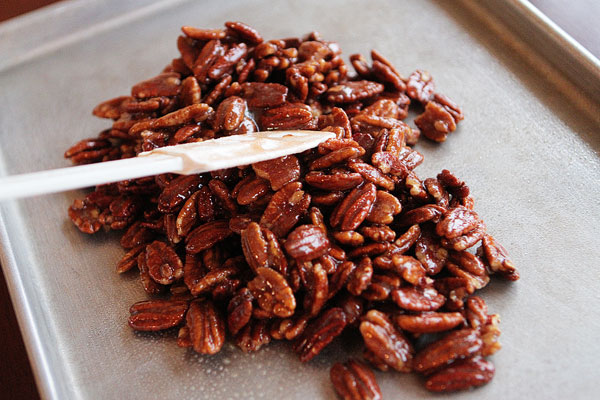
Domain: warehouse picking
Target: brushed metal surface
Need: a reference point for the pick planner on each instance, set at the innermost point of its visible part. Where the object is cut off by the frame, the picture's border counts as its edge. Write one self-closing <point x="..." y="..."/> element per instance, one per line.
<point x="528" y="150"/>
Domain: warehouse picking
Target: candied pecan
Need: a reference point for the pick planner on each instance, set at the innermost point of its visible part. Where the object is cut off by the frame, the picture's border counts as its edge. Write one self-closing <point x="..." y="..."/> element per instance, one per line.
<point x="230" y="113"/>
<point x="457" y="222"/>
<point x="206" y="327"/>
<point x="450" y="106"/>
<point x="150" y="286"/>
<point x="436" y="122"/>
<point x="244" y="31"/>
<point x="253" y="336"/>
<point x="497" y="258"/>
<point x="476" y="312"/>
<point x="349" y="238"/>
<point x="420" y="86"/>
<point x="336" y="119"/>
<point x="164" y="265"/>
<point x="319" y="333"/>
<point x="209" y="53"/>
<point x="112" y="108"/>
<point x="203" y="34"/>
<point x="379" y="233"/>
<point x="475" y="281"/>
<point x="250" y="189"/>
<point x="454" y="185"/>
<point x="213" y="278"/>
<point x="353" y="210"/>
<point x="389" y="163"/>
<point x="353" y="306"/>
<point x="188" y="215"/>
<point x="461" y="375"/>
<point x="165" y="84"/>
<point x="285" y="209"/>
<point x="371" y="249"/>
<point x="327" y="199"/>
<point x="415" y="299"/>
<point x="456" y="291"/>
<point x="372" y="174"/>
<point x="157" y="315"/>
<point x="262" y="249"/>
<point x="272" y="293"/>
<point x="218" y="91"/>
<point x="354" y="381"/>
<point x="337" y="181"/>
<point x="410" y="269"/>
<point x="415" y="187"/>
<point x="387" y="344"/>
<point x="177" y="192"/>
<point x="377" y="56"/>
<point x="88" y="151"/>
<point x="289" y="328"/>
<point x="317" y="219"/>
<point x="129" y="260"/>
<point x="188" y="51"/>
<point x="437" y="191"/>
<point x="240" y="222"/>
<point x="468" y="261"/>
<point x="383" y="73"/>
<point x="353" y="91"/>
<point x="260" y="95"/>
<point x="221" y="192"/>
<point x="454" y="346"/>
<point x="428" y="212"/>
<point x="467" y="240"/>
<point x="381" y="286"/>
<point x="432" y="255"/>
<point x="317" y="290"/>
<point x="205" y="204"/>
<point x="307" y="242"/>
<point x="207" y="235"/>
<point x="279" y="171"/>
<point x="336" y="157"/>
<point x="224" y="64"/>
<point x="407" y="239"/>
<point x="136" y="235"/>
<point x="489" y="334"/>
<point x="287" y="116"/>
<point x="361" y="277"/>
<point x="384" y="209"/>
<point x="429" y="322"/>
<point x="193" y="270"/>
<point x="360" y="65"/>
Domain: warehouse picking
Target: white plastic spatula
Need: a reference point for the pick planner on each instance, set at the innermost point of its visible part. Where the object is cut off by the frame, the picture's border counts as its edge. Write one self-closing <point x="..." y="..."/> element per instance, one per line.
<point x="186" y="159"/>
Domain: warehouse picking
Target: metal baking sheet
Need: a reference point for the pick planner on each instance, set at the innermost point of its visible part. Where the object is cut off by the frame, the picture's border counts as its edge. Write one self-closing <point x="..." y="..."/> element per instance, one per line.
<point x="528" y="148"/>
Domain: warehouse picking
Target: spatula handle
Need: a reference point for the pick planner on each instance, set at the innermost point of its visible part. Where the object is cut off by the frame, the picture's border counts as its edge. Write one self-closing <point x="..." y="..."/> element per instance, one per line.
<point x="58" y="180"/>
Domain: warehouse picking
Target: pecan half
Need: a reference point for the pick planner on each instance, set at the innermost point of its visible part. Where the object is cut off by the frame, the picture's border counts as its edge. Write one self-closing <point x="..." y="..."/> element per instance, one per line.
<point x="272" y="293"/>
<point x="307" y="242"/>
<point x="319" y="333"/>
<point x="156" y="315"/>
<point x="429" y="322"/>
<point x="164" y="265"/>
<point x="385" y="342"/>
<point x="354" y="381"/>
<point x="353" y="210"/>
<point x="206" y="327"/>
<point x="454" y="346"/>
<point x="206" y="236"/>
<point x="461" y="375"/>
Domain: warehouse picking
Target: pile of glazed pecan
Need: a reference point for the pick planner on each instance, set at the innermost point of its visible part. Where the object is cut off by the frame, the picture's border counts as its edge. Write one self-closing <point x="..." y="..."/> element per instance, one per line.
<point x="344" y="237"/>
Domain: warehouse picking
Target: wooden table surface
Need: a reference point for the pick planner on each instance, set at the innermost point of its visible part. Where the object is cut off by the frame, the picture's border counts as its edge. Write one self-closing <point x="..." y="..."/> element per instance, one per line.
<point x="578" y="17"/>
